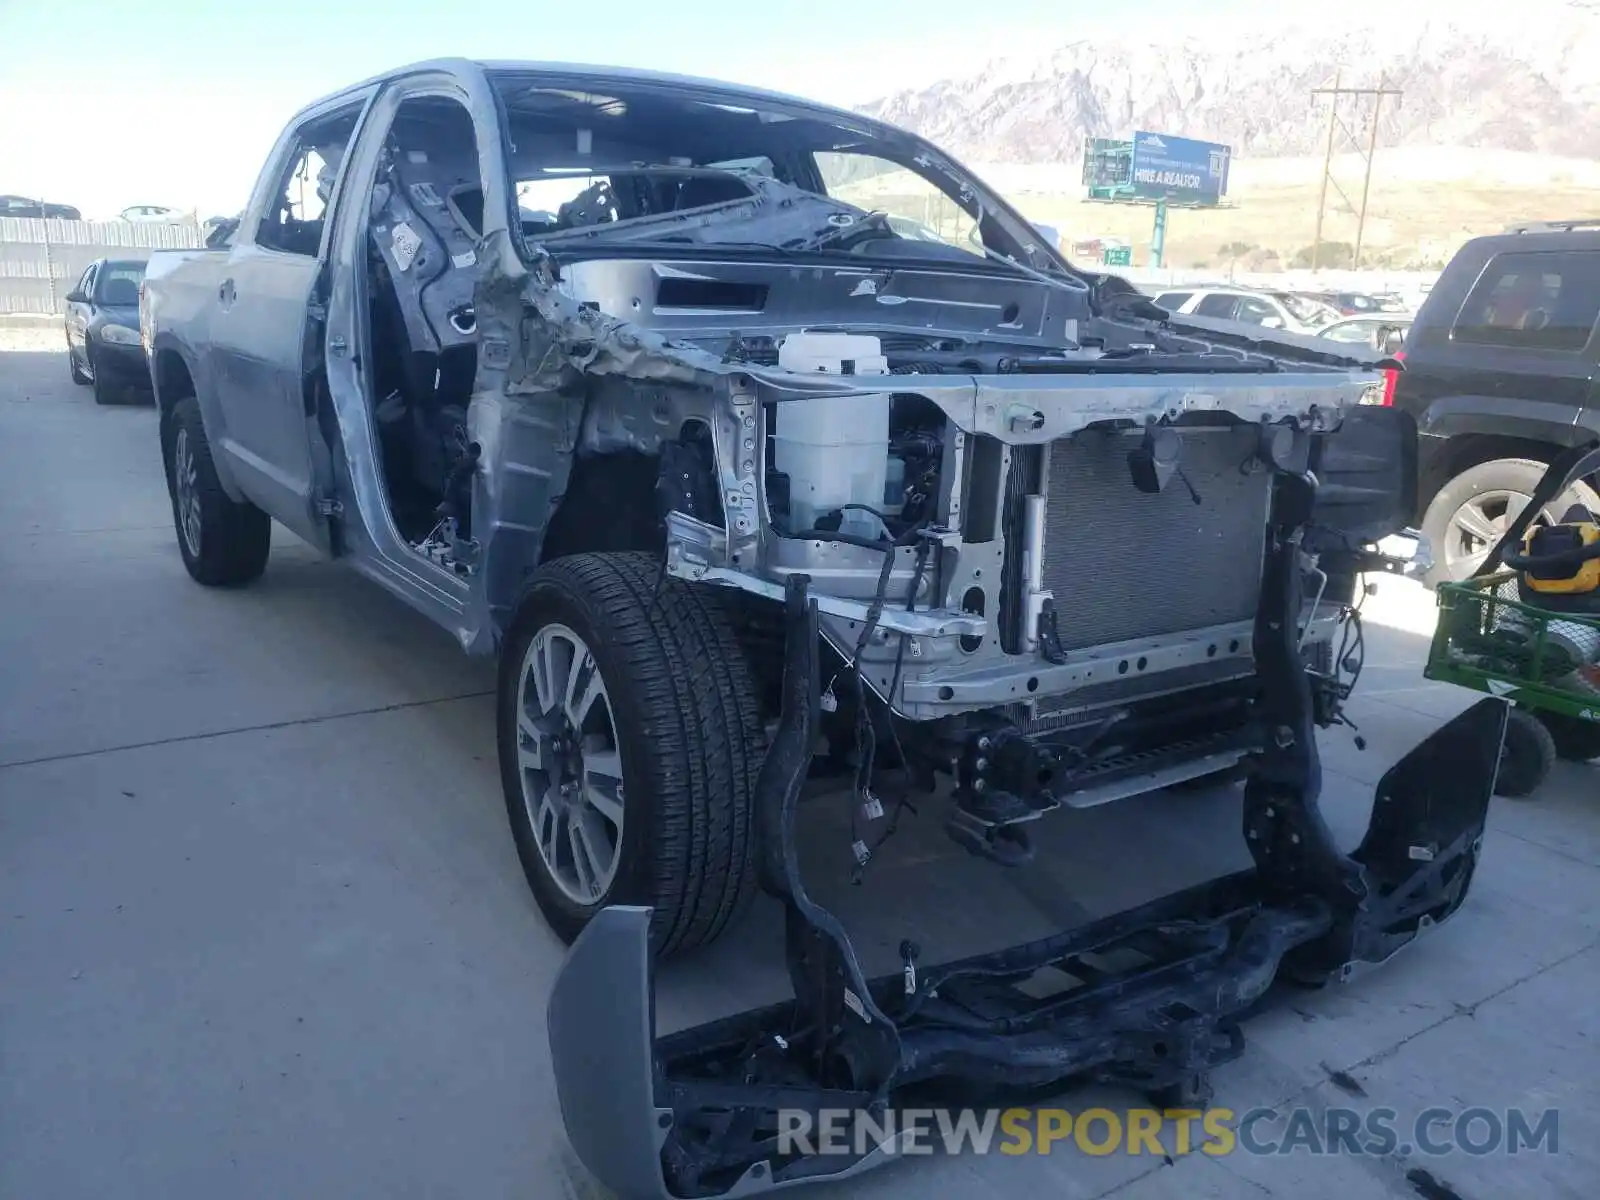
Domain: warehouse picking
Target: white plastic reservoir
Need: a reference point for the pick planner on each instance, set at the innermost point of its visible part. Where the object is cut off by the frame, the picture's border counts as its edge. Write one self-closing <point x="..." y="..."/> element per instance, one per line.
<point x="835" y="449"/>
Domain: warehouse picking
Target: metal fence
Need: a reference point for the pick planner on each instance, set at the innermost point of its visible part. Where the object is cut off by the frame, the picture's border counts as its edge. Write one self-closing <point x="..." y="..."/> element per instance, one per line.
<point x="41" y="260"/>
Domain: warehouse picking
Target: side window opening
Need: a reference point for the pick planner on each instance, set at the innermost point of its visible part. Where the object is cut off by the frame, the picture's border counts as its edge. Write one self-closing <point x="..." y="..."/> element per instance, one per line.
<point x="1533" y="301"/>
<point x="1217" y="305"/>
<point x="295" y="216"/>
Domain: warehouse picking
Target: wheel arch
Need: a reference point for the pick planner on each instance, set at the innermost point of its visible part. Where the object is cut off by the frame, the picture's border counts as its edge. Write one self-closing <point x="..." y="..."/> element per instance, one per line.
<point x="1473" y="437"/>
<point x="611" y="502"/>
<point x="174" y="376"/>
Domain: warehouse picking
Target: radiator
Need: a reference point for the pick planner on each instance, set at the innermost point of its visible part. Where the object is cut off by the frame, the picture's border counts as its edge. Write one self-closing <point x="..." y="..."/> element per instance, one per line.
<point x="1124" y="564"/>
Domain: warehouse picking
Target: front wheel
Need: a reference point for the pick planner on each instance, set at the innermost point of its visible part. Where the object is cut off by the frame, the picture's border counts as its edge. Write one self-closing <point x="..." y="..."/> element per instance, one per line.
<point x="105" y="387"/>
<point x="224" y="542"/>
<point x="75" y="369"/>
<point x="630" y="739"/>
<point x="1527" y="756"/>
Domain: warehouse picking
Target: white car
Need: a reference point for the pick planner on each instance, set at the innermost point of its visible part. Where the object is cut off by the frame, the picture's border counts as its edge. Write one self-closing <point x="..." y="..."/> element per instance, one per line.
<point x="1367" y="328"/>
<point x="1271" y="310"/>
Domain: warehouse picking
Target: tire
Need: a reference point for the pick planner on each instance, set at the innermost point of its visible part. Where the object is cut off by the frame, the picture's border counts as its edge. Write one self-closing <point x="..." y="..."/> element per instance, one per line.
<point x="1575" y="740"/>
<point x="79" y="375"/>
<point x="105" y="388"/>
<point x="1527" y="757"/>
<point x="234" y="537"/>
<point x="684" y="729"/>
<point x="1488" y="487"/>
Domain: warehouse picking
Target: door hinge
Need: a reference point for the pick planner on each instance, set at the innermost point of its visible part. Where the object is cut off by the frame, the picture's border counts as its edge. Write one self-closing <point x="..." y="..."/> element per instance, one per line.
<point x="328" y="507"/>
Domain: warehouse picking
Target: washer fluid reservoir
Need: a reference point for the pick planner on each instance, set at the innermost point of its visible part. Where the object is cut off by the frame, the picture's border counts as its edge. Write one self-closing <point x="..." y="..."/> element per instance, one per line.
<point x="834" y="449"/>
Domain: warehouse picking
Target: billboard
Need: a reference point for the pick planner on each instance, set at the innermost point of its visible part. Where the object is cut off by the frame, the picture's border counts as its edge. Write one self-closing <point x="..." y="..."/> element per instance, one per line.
<point x="1175" y="168"/>
<point x="1107" y="163"/>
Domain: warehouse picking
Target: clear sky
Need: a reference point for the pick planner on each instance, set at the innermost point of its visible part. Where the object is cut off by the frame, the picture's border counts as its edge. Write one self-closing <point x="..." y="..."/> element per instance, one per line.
<point x="108" y="103"/>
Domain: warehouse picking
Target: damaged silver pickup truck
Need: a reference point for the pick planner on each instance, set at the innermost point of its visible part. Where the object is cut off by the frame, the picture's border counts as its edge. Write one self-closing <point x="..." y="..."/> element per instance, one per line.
<point x="765" y="444"/>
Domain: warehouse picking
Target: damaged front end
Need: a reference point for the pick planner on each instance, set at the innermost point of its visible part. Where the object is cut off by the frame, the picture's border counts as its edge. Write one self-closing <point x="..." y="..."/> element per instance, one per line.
<point x="999" y="523"/>
<point x="697" y="1113"/>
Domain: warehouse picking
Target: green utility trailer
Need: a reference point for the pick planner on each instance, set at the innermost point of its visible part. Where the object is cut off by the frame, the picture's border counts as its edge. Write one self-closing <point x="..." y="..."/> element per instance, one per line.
<point x="1546" y="662"/>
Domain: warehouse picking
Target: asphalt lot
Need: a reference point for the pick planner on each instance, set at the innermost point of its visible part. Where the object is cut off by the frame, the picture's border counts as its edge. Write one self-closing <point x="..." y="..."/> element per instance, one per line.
<point x="263" y="932"/>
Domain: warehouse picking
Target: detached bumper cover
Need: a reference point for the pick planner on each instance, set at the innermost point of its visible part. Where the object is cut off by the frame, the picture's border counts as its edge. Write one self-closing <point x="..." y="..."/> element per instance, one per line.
<point x="696" y="1114"/>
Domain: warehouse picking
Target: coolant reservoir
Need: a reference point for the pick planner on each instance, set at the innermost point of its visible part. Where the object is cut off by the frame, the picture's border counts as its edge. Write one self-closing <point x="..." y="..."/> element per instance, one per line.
<point x="835" y="449"/>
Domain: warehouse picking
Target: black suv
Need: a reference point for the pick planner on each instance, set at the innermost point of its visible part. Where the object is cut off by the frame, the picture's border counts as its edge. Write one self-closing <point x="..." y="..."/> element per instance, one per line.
<point x="1500" y="373"/>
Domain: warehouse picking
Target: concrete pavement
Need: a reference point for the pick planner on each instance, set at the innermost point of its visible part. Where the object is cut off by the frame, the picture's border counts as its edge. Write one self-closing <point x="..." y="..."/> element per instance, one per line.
<point x="263" y="932"/>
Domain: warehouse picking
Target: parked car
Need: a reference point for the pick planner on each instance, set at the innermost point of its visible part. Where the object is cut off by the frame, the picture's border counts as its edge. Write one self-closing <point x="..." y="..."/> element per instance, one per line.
<point x="1500" y="373"/>
<point x="1383" y="332"/>
<point x="27" y="206"/>
<point x="102" y="323"/>
<point x="1273" y="310"/>
<point x="723" y="468"/>
<point x="1346" y="304"/>
<point x="152" y="214"/>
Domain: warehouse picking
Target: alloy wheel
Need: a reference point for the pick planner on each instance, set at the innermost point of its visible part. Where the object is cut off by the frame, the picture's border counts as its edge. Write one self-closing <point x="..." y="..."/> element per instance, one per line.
<point x="1478" y="524"/>
<point x="185" y="478"/>
<point x="569" y="763"/>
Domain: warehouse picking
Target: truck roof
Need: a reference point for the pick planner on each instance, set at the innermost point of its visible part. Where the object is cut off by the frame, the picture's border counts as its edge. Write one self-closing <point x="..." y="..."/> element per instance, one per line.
<point x="732" y="93"/>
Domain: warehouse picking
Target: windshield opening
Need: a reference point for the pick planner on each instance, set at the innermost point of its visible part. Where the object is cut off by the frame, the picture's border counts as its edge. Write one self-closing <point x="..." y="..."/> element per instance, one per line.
<point x="625" y="161"/>
<point x="119" y="284"/>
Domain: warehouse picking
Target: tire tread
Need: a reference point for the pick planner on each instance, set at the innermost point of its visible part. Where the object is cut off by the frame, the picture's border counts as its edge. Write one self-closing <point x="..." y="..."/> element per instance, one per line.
<point x="235" y="536"/>
<point x="691" y="690"/>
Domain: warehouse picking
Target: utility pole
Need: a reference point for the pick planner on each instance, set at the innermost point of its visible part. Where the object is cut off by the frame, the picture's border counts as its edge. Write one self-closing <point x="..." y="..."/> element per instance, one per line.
<point x="1327" y="173"/>
<point x="1366" y="183"/>
<point x="1334" y="94"/>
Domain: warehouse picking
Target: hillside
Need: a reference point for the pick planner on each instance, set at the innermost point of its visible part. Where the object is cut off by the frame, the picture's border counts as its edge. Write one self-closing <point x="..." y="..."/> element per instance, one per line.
<point x="1469" y="80"/>
<point x="1496" y="125"/>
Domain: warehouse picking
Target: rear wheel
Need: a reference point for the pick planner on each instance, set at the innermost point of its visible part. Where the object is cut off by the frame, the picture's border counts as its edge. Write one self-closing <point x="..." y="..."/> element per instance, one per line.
<point x="1471" y="512"/>
<point x="224" y="542"/>
<point x="1575" y="740"/>
<point x="1527" y="756"/>
<point x="630" y="738"/>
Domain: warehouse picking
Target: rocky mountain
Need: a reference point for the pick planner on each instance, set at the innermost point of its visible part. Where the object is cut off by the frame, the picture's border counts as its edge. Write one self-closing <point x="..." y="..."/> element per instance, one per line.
<point x="1520" y="77"/>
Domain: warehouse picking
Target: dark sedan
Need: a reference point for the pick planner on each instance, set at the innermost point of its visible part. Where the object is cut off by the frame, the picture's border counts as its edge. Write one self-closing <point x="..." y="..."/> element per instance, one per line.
<point x="103" y="345"/>
<point x="25" y="206"/>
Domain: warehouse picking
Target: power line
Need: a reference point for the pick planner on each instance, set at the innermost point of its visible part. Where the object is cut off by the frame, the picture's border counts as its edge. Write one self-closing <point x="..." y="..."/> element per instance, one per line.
<point x="1335" y="93"/>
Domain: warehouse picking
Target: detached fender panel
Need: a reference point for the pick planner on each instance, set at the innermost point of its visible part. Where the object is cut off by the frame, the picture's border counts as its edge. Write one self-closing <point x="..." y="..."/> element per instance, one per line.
<point x="601" y="1021"/>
